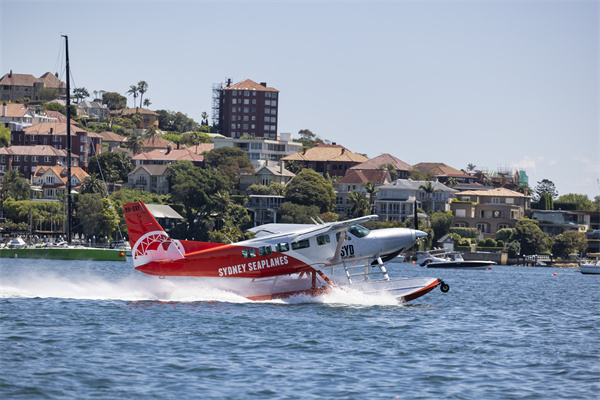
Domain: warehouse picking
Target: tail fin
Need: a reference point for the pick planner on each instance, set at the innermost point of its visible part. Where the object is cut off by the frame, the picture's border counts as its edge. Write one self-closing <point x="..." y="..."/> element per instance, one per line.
<point x="149" y="242"/>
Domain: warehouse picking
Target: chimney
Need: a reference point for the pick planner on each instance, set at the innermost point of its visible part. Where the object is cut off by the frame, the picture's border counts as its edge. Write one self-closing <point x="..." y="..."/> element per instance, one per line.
<point x="281" y="167"/>
<point x="10" y="74"/>
<point x="4" y="109"/>
<point x="51" y="130"/>
<point x="178" y="146"/>
<point x="168" y="149"/>
<point x="228" y="82"/>
<point x="264" y="84"/>
<point x="343" y="150"/>
<point x="56" y="74"/>
<point x="304" y="151"/>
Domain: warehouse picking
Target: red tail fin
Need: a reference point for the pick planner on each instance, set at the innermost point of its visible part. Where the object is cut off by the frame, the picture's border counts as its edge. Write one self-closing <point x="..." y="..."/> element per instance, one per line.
<point x="148" y="240"/>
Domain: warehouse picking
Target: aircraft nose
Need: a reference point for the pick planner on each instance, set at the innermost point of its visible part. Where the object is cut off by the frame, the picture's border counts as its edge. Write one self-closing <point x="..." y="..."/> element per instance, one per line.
<point x="420" y="234"/>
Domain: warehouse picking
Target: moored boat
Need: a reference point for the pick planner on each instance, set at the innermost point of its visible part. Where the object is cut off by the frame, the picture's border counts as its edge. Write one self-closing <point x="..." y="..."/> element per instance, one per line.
<point x="590" y="267"/>
<point x="453" y="260"/>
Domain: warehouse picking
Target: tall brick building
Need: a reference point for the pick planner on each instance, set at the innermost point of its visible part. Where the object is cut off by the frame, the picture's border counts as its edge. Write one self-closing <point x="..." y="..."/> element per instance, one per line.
<point x="248" y="108"/>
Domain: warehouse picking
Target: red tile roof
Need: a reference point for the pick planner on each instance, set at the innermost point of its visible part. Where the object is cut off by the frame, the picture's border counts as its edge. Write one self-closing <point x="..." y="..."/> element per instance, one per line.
<point x="247" y="84"/>
<point x="48" y="79"/>
<point x="61" y="172"/>
<point x="439" y="169"/>
<point x="157" y="143"/>
<point x="58" y="128"/>
<point x="173" y="155"/>
<point x="202" y="147"/>
<point x="112" y="137"/>
<point x="132" y="111"/>
<point x="14" y="110"/>
<point x="37" y="150"/>
<point x="378" y="176"/>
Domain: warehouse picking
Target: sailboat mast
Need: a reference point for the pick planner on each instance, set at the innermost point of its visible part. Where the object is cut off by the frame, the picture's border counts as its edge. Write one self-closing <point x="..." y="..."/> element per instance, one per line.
<point x="68" y="102"/>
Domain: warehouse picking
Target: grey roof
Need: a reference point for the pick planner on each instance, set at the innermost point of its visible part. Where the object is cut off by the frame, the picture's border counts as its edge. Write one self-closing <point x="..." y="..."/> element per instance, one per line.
<point x="154" y="170"/>
<point x="415" y="185"/>
<point x="163" y="211"/>
<point x="275" y="170"/>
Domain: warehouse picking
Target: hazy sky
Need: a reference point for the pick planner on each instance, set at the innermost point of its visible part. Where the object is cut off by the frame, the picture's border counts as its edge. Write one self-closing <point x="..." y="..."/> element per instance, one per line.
<point x="503" y="84"/>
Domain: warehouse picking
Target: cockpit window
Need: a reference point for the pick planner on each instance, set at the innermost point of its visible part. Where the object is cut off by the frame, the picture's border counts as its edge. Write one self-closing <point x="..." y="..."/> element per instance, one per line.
<point x="359" y="231"/>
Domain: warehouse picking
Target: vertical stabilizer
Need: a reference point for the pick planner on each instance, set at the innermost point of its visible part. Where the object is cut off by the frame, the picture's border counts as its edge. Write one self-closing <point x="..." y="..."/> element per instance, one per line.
<point x="149" y="242"/>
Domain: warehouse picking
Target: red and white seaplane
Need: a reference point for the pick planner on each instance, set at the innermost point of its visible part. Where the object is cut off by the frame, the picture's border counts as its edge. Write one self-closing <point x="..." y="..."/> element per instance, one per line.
<point x="283" y="260"/>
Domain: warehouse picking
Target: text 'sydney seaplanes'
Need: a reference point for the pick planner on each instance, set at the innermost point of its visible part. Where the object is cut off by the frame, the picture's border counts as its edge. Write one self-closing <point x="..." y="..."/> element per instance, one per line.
<point x="283" y="260"/>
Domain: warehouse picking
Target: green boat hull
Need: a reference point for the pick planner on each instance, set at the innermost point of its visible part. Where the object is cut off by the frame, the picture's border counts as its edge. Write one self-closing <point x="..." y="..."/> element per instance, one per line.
<point x="65" y="254"/>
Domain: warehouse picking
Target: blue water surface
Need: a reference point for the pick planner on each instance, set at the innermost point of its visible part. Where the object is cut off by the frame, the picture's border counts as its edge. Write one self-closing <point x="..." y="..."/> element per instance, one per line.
<point x="101" y="330"/>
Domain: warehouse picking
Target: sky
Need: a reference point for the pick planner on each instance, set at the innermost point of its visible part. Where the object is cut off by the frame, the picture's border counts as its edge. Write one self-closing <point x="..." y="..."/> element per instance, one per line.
<point x="503" y="85"/>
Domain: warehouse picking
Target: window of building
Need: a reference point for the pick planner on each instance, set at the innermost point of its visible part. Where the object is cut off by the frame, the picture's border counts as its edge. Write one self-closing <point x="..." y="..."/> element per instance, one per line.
<point x="246" y="93"/>
<point x="267" y="102"/>
<point x="34" y="158"/>
<point x="17" y="158"/>
<point x="496" y="214"/>
<point x="495" y="200"/>
<point x="503" y="226"/>
<point x="460" y="225"/>
<point x="47" y="159"/>
<point x="460" y="213"/>
<point x="235" y="92"/>
<point x="273" y="103"/>
<point x="482" y="228"/>
<point x="233" y="101"/>
<point x="246" y="101"/>
<point x="509" y="200"/>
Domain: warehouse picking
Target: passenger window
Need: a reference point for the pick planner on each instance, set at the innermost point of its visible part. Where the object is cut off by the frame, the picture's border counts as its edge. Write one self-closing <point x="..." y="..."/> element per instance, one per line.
<point x="282" y="247"/>
<point x="323" y="239"/>
<point x="264" y="250"/>
<point x="248" y="253"/>
<point x="303" y="244"/>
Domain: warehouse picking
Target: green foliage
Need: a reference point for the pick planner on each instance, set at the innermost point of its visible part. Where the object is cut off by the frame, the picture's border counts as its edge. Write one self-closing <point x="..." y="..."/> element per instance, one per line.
<point x="195" y="138"/>
<point x="489" y="242"/>
<point x="48" y="94"/>
<point x="513" y="249"/>
<point x="172" y="137"/>
<point x="505" y="234"/>
<point x="293" y="166"/>
<point x="569" y="242"/>
<point x="231" y="163"/>
<point x="15" y="186"/>
<point x="258" y="190"/>
<point x="420" y="174"/>
<point x="5" y="137"/>
<point x="465" y="232"/>
<point x="114" y="101"/>
<point x="530" y="237"/>
<point x="175" y="121"/>
<point x="545" y="202"/>
<point x="309" y="188"/>
<point x="582" y="201"/>
<point x="277" y="189"/>
<point x="126" y="196"/>
<point x="55" y="107"/>
<point x="14" y="227"/>
<point x="545" y="186"/>
<point x="290" y="213"/>
<point x="500" y="243"/>
<point x="93" y="184"/>
<point x="392" y="170"/>
<point x="360" y="204"/>
<point x="441" y="222"/>
<point x="135" y="144"/>
<point x="94" y="216"/>
<point x="114" y="166"/>
<point x="39" y="213"/>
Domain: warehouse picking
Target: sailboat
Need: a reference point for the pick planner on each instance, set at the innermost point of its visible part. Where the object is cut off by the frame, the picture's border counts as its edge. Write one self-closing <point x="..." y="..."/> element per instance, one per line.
<point x="64" y="250"/>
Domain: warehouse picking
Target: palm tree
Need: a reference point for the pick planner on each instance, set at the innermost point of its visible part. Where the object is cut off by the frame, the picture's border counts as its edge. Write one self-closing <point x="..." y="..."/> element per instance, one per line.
<point x="371" y="190"/>
<point x="451" y="182"/>
<point x="147" y="102"/>
<point x="133" y="90"/>
<point x="471" y="167"/>
<point x="135" y="144"/>
<point x="152" y="133"/>
<point x="360" y="204"/>
<point x="92" y="184"/>
<point x="430" y="189"/>
<point x="142" y="87"/>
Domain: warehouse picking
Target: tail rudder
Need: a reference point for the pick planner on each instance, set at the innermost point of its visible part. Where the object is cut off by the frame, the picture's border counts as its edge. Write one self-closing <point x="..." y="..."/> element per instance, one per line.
<point x="148" y="240"/>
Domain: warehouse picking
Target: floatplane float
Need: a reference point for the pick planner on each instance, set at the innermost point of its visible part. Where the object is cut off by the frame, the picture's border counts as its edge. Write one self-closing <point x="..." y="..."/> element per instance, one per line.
<point x="283" y="260"/>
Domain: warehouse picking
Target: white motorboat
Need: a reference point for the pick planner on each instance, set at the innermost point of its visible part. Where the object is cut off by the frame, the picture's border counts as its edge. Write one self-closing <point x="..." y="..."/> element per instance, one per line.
<point x="453" y="260"/>
<point x="590" y="267"/>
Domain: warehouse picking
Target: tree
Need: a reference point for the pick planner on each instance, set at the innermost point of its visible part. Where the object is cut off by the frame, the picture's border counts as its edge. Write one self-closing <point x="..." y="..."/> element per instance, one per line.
<point x="114" y="166"/>
<point x="309" y="188"/>
<point x="307" y="138"/>
<point x="392" y="170"/>
<point x="80" y="94"/>
<point x="133" y="91"/>
<point x="290" y="213"/>
<point x="451" y="182"/>
<point x="260" y="190"/>
<point x="15" y="186"/>
<point x="92" y="185"/>
<point x="204" y="118"/>
<point x="114" y="101"/>
<point x="48" y="94"/>
<point x="582" y="201"/>
<point x="441" y="222"/>
<point x="545" y="186"/>
<point x="147" y="102"/>
<point x="505" y="234"/>
<point x="530" y="237"/>
<point x="545" y="202"/>
<point x="360" y="204"/>
<point x="421" y="174"/>
<point x="152" y="133"/>
<point x="429" y="190"/>
<point x="231" y="163"/>
<point x="135" y="144"/>
<point x="371" y="190"/>
<point x="569" y="242"/>
<point x="142" y="87"/>
<point x="5" y="136"/>
<point x="471" y="167"/>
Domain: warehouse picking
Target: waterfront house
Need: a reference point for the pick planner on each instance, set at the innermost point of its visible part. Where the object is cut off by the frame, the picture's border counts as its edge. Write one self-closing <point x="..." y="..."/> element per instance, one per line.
<point x="25" y="159"/>
<point x="265" y="174"/>
<point x="150" y="178"/>
<point x="112" y="139"/>
<point x="14" y="87"/>
<point x="261" y="151"/>
<point x="396" y="201"/>
<point x="382" y="161"/>
<point x="354" y="181"/>
<point x="489" y="210"/>
<point x="93" y="110"/>
<point x="264" y="208"/>
<point x="167" y="156"/>
<point x="53" y="180"/>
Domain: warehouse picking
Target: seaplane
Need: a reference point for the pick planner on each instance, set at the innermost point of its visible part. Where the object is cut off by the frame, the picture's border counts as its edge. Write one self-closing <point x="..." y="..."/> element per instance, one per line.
<point x="283" y="260"/>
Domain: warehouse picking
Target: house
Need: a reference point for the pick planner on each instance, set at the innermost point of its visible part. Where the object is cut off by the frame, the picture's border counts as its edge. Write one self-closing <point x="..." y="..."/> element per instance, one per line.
<point x="384" y="160"/>
<point x="396" y="201"/>
<point x="112" y="139"/>
<point x="489" y="210"/>
<point x="166" y="217"/>
<point x="147" y="119"/>
<point x="92" y="109"/>
<point x="247" y="108"/>
<point x="331" y="159"/>
<point x="555" y="222"/>
<point x="83" y="143"/>
<point x="14" y="87"/>
<point x="157" y="143"/>
<point x="53" y="180"/>
<point x="16" y="116"/>
<point x="261" y="151"/>
<point x="264" y="208"/>
<point x="25" y="159"/>
<point x="202" y="148"/>
<point x="166" y="157"/>
<point x="503" y="177"/>
<point x="354" y="181"/>
<point x="150" y="178"/>
<point x="264" y="175"/>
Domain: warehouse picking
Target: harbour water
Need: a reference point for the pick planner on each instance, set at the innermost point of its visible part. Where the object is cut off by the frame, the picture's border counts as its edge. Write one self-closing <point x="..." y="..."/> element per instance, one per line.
<point x="101" y="330"/>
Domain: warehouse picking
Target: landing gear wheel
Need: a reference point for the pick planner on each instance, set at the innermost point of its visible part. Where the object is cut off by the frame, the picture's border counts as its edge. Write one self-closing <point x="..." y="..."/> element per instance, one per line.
<point x="444" y="287"/>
